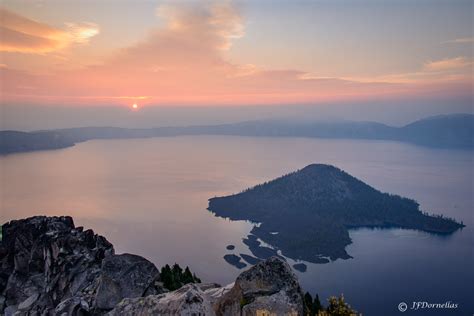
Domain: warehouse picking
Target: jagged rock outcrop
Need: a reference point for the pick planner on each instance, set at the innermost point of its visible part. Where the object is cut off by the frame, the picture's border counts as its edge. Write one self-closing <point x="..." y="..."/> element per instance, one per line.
<point x="45" y="260"/>
<point x="50" y="267"/>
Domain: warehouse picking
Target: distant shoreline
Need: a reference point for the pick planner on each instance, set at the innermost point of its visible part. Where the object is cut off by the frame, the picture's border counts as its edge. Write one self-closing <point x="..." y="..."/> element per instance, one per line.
<point x="454" y="131"/>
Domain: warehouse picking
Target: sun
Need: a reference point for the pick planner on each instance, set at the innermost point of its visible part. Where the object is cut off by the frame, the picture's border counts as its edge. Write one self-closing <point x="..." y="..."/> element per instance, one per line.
<point x="135" y="106"/>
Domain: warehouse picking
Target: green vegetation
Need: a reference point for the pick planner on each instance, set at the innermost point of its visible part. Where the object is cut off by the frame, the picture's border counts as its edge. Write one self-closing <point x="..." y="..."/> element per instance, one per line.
<point x="313" y="208"/>
<point x="243" y="302"/>
<point x="174" y="278"/>
<point x="336" y="307"/>
<point x="313" y="307"/>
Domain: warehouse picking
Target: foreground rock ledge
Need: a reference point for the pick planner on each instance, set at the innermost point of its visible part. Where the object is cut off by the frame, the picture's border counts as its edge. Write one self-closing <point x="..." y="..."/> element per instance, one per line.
<point x="50" y="267"/>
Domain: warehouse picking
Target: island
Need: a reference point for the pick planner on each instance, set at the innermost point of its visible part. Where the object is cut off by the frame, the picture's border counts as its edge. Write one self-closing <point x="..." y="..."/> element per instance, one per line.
<point x="235" y="260"/>
<point x="306" y="215"/>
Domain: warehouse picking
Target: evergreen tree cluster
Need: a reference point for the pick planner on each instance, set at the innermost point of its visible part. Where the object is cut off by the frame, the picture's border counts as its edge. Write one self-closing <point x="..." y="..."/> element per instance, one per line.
<point x="174" y="277"/>
<point x="336" y="307"/>
<point x="313" y="307"/>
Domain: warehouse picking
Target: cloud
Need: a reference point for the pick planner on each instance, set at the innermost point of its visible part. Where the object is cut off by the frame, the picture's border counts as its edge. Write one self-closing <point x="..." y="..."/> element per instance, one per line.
<point x="438" y="71"/>
<point x="447" y="64"/>
<point x="184" y="62"/>
<point x="216" y="23"/>
<point x="81" y="33"/>
<point x="22" y="35"/>
<point x="463" y="40"/>
<point x="228" y="23"/>
<point x="188" y="50"/>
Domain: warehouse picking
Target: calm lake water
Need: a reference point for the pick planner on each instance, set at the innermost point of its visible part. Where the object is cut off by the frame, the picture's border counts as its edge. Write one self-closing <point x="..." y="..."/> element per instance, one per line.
<point x="149" y="197"/>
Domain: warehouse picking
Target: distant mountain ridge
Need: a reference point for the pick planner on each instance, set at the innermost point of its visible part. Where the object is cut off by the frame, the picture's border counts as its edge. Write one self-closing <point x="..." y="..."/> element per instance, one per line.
<point x="445" y="131"/>
<point x="455" y="130"/>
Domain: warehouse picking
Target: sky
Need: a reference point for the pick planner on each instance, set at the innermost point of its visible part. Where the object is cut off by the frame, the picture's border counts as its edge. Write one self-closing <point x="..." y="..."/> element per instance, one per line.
<point x="226" y="54"/>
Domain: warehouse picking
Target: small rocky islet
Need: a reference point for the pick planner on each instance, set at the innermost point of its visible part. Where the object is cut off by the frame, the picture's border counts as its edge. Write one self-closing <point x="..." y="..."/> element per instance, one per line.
<point x="51" y="267"/>
<point x="235" y="260"/>
<point x="301" y="267"/>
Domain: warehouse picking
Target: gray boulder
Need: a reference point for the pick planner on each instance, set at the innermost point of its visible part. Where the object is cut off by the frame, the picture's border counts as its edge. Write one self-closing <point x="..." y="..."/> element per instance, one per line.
<point x="126" y="276"/>
<point x="188" y="300"/>
<point x="270" y="287"/>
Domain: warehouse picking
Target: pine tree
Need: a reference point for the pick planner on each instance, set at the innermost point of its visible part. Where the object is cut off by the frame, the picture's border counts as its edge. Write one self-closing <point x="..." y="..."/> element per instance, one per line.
<point x="166" y="277"/>
<point x="196" y="279"/>
<point x="187" y="276"/>
<point x="308" y="303"/>
<point x="174" y="278"/>
<point x="317" y="306"/>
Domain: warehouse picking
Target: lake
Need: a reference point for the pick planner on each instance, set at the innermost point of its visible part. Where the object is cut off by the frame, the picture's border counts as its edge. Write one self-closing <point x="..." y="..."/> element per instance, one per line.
<point x="149" y="197"/>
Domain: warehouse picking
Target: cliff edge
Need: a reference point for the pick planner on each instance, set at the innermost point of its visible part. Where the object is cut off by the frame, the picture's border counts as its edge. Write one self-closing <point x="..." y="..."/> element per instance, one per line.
<point x="50" y="267"/>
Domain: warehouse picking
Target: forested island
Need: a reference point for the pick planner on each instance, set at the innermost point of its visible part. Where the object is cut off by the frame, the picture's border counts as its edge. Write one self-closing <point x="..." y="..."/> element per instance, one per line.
<point x="307" y="214"/>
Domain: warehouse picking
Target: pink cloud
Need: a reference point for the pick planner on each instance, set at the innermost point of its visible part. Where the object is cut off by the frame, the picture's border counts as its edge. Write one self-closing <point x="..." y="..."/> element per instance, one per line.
<point x="447" y="64"/>
<point x="22" y="35"/>
<point x="184" y="63"/>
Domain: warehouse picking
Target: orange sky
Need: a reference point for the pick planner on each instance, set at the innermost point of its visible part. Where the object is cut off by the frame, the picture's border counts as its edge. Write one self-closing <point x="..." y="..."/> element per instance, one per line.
<point x="189" y="57"/>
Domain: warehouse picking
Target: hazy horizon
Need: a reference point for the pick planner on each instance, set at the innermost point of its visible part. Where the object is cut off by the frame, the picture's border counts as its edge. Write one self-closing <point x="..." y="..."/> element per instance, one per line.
<point x="157" y="63"/>
<point x="394" y="113"/>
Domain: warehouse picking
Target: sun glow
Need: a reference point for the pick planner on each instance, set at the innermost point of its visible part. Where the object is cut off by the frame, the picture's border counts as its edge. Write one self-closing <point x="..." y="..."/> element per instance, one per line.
<point x="135" y="106"/>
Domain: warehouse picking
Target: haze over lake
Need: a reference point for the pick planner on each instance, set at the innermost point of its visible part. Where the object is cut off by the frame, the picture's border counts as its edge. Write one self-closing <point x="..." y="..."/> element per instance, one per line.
<point x="149" y="197"/>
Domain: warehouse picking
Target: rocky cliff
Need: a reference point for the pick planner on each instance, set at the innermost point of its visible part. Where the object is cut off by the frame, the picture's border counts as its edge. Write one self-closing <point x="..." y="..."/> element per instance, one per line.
<point x="50" y="267"/>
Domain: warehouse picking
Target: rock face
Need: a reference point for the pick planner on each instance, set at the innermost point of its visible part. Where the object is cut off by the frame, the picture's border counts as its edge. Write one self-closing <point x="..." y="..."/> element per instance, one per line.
<point x="268" y="288"/>
<point x="46" y="260"/>
<point x="188" y="300"/>
<point x="50" y="267"/>
<point x="126" y="276"/>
